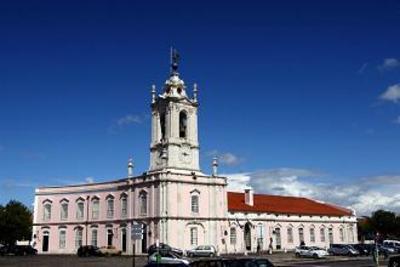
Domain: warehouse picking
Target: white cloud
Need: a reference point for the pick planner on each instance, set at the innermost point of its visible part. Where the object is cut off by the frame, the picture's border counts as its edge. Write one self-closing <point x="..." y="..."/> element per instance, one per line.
<point x="125" y="121"/>
<point x="364" y="195"/>
<point x="226" y="158"/>
<point x="392" y="93"/>
<point x="389" y="64"/>
<point x="89" y="180"/>
<point x="129" y="119"/>
<point x="397" y="120"/>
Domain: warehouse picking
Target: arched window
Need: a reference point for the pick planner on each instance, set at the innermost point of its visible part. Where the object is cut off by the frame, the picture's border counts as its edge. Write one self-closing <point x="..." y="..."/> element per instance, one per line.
<point x="290" y="235"/>
<point x="233" y="236"/>
<point x="143" y="203"/>
<point x="351" y="234"/>
<point x="260" y="235"/>
<point x="301" y="235"/>
<point x="62" y="239"/>
<point x="312" y="235"/>
<point x="330" y="234"/>
<point x="94" y="237"/>
<point x="47" y="212"/>
<point x="341" y="234"/>
<point x="182" y="124"/>
<point x="322" y="234"/>
<point x="162" y="125"/>
<point x="195" y="203"/>
<point x="78" y="237"/>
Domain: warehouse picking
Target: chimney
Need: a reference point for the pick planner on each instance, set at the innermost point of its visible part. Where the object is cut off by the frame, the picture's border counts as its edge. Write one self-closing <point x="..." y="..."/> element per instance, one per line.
<point x="215" y="166"/>
<point x="249" y="196"/>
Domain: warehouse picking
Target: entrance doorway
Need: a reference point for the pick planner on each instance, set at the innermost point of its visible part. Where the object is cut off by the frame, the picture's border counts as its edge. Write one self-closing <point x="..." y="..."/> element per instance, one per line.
<point x="123" y="236"/>
<point x="109" y="237"/>
<point x="247" y="236"/>
<point x="45" y="245"/>
<point x="144" y="239"/>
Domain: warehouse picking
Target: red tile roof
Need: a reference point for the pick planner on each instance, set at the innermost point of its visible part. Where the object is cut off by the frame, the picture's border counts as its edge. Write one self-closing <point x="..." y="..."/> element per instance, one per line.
<point x="284" y="205"/>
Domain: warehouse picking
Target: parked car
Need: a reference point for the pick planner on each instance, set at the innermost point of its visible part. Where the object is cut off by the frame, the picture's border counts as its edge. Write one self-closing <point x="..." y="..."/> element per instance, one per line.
<point x="18" y="250"/>
<point x="164" y="248"/>
<point x="232" y="262"/>
<point x="394" y="261"/>
<point x="343" y="250"/>
<point x="202" y="251"/>
<point x="110" y="251"/>
<point x="85" y="251"/>
<point x="394" y="244"/>
<point x="315" y="252"/>
<point x="386" y="251"/>
<point x="166" y="258"/>
<point x="364" y="249"/>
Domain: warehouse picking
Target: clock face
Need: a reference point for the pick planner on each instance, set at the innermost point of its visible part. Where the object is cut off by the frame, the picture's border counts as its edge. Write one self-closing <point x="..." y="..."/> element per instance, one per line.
<point x="186" y="154"/>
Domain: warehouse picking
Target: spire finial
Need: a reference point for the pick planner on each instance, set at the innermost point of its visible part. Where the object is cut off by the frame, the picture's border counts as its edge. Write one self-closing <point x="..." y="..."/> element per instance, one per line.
<point x="130" y="167"/>
<point x="215" y="166"/>
<point x="195" y="91"/>
<point x="174" y="61"/>
<point x="153" y="94"/>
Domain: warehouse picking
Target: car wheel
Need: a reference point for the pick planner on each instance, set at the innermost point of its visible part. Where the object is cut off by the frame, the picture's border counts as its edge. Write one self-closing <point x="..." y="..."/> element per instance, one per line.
<point x="297" y="255"/>
<point x="212" y="255"/>
<point x="190" y="255"/>
<point x="315" y="256"/>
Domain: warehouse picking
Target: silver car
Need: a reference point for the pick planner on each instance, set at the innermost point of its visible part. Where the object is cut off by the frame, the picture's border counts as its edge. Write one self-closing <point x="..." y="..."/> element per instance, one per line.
<point x="202" y="251"/>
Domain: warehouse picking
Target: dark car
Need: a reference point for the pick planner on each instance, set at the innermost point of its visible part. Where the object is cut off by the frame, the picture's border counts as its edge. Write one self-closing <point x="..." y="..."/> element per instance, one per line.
<point x="364" y="249"/>
<point x="86" y="251"/>
<point x="230" y="262"/>
<point x="342" y="250"/>
<point x="164" y="249"/>
<point x="18" y="250"/>
<point x="394" y="261"/>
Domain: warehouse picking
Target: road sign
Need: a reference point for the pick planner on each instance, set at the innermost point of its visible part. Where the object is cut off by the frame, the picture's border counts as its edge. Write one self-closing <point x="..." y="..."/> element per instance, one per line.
<point x="137" y="232"/>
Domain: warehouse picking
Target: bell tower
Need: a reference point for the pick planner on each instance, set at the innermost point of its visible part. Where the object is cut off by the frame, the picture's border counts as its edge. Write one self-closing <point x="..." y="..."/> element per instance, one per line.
<point x="174" y="139"/>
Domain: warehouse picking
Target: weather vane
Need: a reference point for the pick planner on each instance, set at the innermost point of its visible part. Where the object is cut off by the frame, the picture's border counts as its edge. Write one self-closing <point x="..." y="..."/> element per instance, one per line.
<point x="174" y="60"/>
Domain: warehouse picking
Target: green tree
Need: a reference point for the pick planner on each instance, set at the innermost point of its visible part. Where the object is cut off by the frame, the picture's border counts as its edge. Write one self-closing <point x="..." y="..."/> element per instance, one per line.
<point x="15" y="222"/>
<point x="384" y="222"/>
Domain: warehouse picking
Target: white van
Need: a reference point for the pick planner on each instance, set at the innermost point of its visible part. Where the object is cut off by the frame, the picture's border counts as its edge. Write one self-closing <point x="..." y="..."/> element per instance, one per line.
<point x="391" y="243"/>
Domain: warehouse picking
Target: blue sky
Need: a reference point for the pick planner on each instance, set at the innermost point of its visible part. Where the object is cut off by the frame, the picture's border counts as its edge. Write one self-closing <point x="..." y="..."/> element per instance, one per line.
<point x="304" y="90"/>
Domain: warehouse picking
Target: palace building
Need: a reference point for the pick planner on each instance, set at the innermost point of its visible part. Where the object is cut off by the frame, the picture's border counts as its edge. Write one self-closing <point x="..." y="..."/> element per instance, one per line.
<point x="177" y="203"/>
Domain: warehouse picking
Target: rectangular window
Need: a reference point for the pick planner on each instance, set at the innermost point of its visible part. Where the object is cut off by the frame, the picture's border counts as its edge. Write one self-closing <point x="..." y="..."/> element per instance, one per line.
<point x="95" y="209"/>
<point x="233" y="236"/>
<point x="195" y="204"/>
<point x="110" y="208"/>
<point x="124" y="207"/>
<point x="64" y="212"/>
<point x="47" y="212"/>
<point x="312" y="235"/>
<point x="143" y="203"/>
<point x="61" y="242"/>
<point x="80" y="210"/>
<point x="94" y="237"/>
<point x="351" y="235"/>
<point x="193" y="236"/>
<point x="322" y="234"/>
<point x="290" y="235"/>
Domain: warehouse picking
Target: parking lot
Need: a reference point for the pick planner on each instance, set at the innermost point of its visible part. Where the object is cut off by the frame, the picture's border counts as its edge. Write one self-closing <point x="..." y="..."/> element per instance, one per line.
<point x="125" y="261"/>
